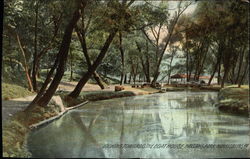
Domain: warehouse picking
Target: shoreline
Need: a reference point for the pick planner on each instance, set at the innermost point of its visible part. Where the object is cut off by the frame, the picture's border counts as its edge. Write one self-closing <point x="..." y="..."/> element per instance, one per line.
<point x="22" y="151"/>
<point x="15" y="142"/>
<point x="234" y="101"/>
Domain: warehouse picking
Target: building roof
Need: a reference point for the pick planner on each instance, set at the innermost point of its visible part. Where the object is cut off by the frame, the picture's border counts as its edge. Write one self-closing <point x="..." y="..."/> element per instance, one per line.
<point x="185" y="76"/>
<point x="204" y="77"/>
<point x="179" y="76"/>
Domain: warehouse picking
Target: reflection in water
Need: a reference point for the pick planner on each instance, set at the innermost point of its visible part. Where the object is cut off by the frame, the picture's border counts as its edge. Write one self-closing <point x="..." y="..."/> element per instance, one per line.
<point x="169" y="118"/>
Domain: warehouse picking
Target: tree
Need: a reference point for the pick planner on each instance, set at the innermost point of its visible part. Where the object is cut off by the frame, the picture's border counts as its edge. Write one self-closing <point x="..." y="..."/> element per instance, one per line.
<point x="119" y="18"/>
<point x="161" y="25"/>
<point x="43" y="98"/>
<point x="20" y="21"/>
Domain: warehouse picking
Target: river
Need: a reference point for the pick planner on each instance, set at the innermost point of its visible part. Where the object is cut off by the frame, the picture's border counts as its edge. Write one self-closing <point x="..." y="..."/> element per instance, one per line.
<point x="167" y="125"/>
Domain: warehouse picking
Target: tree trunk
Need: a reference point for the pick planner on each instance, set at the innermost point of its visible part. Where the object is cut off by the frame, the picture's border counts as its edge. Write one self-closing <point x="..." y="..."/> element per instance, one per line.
<point x="224" y="77"/>
<point x="170" y="68"/>
<point x="243" y="76"/>
<point x="75" y="93"/>
<point x="212" y="76"/>
<point x="38" y="71"/>
<point x="187" y="59"/>
<point x="202" y="63"/>
<point x="122" y="57"/>
<point x="63" y="53"/>
<point x="240" y="65"/>
<point x="98" y="80"/>
<point x="147" y="65"/>
<point x="156" y="72"/>
<point x="143" y="67"/>
<point x="45" y="84"/>
<point x="71" y="64"/>
<point x="35" y="61"/>
<point x="125" y="78"/>
<point x="81" y="37"/>
<point x="245" y="71"/>
<point x="219" y="76"/>
<point x="187" y="66"/>
<point x="130" y="77"/>
<point x="30" y="86"/>
<point x="134" y="78"/>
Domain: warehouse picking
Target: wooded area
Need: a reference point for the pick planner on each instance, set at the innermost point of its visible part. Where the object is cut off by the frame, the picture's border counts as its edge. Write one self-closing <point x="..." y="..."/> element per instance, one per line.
<point x="116" y="73"/>
<point x="131" y="40"/>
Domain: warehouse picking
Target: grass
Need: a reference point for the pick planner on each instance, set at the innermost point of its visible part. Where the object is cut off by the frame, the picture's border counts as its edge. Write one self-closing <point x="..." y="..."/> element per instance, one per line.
<point x="101" y="95"/>
<point x="232" y="92"/>
<point x="234" y="100"/>
<point x="93" y="96"/>
<point x="10" y="91"/>
<point x="236" y="86"/>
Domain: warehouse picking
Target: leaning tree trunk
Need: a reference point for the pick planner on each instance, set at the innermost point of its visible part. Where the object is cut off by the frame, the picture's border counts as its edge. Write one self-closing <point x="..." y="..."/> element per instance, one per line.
<point x="45" y="84"/>
<point x="63" y="53"/>
<point x="215" y="67"/>
<point x="75" y="93"/>
<point x="157" y="70"/>
<point x="214" y="71"/>
<point x="81" y="37"/>
<point x="98" y="80"/>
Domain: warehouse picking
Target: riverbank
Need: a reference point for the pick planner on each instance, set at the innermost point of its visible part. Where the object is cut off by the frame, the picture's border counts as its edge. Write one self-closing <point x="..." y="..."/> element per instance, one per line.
<point x="17" y="127"/>
<point x="105" y="94"/>
<point x="234" y="100"/>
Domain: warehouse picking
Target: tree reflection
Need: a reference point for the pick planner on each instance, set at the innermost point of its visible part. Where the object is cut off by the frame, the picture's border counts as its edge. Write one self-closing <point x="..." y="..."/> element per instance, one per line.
<point x="87" y="133"/>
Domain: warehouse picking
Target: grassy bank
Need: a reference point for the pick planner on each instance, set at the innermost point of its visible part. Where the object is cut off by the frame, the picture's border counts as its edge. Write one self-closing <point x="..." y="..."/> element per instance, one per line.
<point x="93" y="96"/>
<point x="234" y="100"/>
<point x="10" y="91"/>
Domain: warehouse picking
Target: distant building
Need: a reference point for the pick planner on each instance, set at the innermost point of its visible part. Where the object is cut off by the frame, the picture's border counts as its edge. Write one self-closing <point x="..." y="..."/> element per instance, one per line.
<point x="182" y="78"/>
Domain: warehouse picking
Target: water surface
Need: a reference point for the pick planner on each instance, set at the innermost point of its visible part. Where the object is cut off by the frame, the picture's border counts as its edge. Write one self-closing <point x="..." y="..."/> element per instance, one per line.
<point x="168" y="125"/>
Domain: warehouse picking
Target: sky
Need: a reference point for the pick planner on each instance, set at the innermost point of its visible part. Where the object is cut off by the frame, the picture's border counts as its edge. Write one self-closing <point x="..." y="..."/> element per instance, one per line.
<point x="190" y="9"/>
<point x="173" y="8"/>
